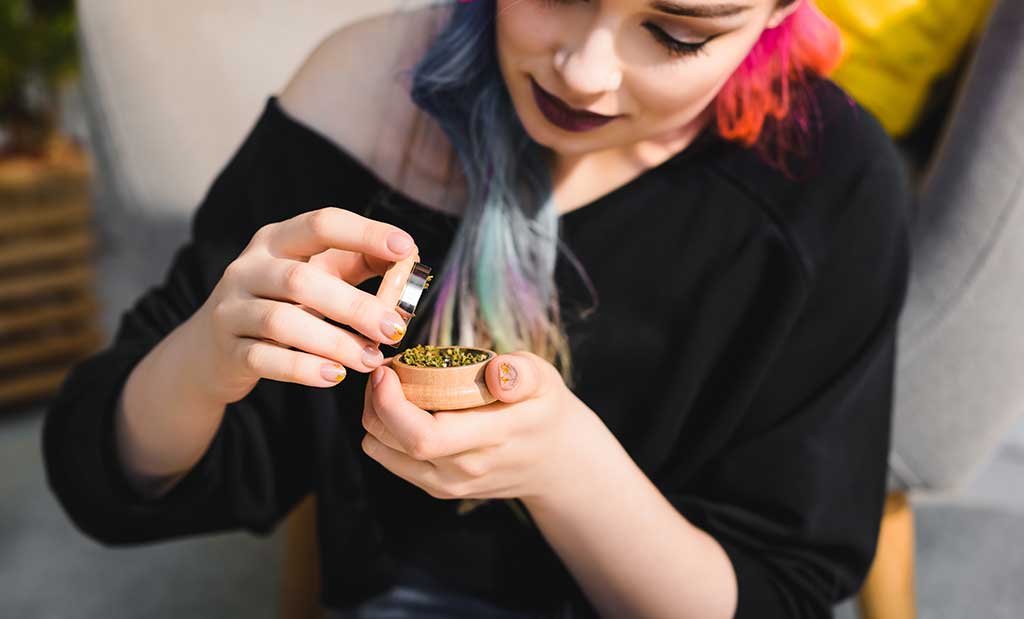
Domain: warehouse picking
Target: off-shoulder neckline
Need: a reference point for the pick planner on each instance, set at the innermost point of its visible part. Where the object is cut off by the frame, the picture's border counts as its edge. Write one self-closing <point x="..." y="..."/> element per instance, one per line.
<point x="274" y="108"/>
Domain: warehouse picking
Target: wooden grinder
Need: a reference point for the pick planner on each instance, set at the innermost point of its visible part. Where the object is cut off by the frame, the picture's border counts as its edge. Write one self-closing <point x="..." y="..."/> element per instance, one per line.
<point x="431" y="388"/>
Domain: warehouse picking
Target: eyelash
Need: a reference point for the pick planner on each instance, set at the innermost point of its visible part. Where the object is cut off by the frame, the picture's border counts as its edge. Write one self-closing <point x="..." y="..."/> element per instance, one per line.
<point x="674" y="46"/>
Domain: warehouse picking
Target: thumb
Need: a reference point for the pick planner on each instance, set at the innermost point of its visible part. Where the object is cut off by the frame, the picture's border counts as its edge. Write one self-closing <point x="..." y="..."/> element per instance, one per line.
<point x="514" y="377"/>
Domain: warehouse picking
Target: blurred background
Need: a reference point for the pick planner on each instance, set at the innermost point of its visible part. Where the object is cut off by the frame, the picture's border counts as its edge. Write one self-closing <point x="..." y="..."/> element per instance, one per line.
<point x="109" y="137"/>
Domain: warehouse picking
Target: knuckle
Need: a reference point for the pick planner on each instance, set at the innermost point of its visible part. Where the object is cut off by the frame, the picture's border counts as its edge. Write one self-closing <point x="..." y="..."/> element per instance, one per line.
<point x="458" y="490"/>
<point x="358" y="305"/>
<point x="262" y="235"/>
<point x="219" y="314"/>
<point x="232" y="271"/>
<point x="368" y="425"/>
<point x="271" y="321"/>
<point x="294" y="365"/>
<point x="371" y="236"/>
<point x="441" y="489"/>
<point x="296" y="276"/>
<point x="471" y="467"/>
<point x="340" y="345"/>
<point x="421" y="449"/>
<point x="252" y="357"/>
<point x="438" y="493"/>
<point x="319" y="221"/>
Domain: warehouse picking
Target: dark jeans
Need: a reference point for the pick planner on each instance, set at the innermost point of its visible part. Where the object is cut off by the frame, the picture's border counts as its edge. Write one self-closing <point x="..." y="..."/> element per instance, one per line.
<point x="404" y="601"/>
<point x="417" y="593"/>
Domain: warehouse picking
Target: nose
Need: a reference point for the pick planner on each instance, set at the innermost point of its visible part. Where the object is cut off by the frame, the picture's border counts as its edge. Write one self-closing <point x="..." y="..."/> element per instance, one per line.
<point x="593" y="68"/>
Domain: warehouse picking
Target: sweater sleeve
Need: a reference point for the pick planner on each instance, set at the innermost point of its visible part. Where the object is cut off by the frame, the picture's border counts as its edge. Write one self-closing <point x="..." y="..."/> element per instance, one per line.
<point x="795" y="498"/>
<point x="257" y="465"/>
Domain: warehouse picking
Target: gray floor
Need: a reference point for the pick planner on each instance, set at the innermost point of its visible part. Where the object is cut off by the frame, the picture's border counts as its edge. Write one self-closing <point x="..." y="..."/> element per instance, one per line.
<point x="49" y="570"/>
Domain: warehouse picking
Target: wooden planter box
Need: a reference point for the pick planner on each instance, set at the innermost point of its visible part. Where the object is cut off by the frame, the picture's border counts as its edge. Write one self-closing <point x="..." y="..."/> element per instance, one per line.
<point x="48" y="307"/>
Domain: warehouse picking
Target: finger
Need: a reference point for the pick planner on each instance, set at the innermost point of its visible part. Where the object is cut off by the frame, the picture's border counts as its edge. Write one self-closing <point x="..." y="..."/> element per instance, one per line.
<point x="421" y="474"/>
<point x="298" y="282"/>
<point x="470" y="429"/>
<point x="373" y="425"/>
<point x="310" y="311"/>
<point x="330" y="227"/>
<point x="516" y="376"/>
<point x="291" y="325"/>
<point x="454" y="432"/>
<point x="411" y="426"/>
<point x="353" y="267"/>
<point x="270" y="360"/>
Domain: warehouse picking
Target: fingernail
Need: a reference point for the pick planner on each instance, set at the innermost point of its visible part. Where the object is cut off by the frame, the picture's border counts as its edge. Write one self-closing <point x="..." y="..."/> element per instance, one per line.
<point x="507" y="376"/>
<point x="392" y="326"/>
<point x="399" y="242"/>
<point x="333" y="372"/>
<point x="372" y="356"/>
<point x="377" y="376"/>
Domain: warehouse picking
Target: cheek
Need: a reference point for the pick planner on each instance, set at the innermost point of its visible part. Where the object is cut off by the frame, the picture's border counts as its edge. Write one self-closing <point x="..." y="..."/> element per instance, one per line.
<point x="686" y="88"/>
<point x="678" y="92"/>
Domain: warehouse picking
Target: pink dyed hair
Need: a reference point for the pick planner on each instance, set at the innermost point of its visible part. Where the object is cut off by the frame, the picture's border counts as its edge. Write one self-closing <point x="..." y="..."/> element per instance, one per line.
<point x="771" y="81"/>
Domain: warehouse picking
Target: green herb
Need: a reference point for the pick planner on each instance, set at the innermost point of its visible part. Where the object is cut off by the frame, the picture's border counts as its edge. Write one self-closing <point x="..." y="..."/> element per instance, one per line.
<point x="441" y="356"/>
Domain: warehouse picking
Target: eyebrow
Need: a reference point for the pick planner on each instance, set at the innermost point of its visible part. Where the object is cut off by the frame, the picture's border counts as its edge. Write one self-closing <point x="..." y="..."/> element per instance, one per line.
<point x="698" y="10"/>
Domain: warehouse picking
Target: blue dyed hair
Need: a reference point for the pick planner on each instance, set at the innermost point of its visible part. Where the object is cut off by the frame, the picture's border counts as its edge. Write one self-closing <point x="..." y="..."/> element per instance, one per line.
<point x="496" y="288"/>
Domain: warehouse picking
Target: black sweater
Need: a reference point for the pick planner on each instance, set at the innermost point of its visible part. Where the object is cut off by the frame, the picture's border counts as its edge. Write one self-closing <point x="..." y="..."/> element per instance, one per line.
<point x="751" y="380"/>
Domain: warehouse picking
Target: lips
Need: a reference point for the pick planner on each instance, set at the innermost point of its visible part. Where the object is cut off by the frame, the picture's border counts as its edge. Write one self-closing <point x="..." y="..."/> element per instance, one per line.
<point x="561" y="115"/>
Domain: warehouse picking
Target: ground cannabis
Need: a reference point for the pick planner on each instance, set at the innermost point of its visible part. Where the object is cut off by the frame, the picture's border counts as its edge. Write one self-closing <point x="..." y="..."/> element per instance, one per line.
<point x="440" y="356"/>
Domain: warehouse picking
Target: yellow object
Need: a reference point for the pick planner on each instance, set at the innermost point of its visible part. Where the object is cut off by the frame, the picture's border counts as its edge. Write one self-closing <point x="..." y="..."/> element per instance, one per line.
<point x="895" y="49"/>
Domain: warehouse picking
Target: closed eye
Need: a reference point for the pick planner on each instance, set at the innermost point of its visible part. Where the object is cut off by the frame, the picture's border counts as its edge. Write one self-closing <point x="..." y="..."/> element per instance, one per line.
<point x="674" y="46"/>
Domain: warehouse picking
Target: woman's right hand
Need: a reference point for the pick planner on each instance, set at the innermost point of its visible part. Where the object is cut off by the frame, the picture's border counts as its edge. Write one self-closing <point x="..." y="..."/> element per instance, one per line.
<point x="264" y="317"/>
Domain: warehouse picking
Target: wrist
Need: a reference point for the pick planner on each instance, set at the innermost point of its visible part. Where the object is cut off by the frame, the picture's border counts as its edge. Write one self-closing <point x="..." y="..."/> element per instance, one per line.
<point x="198" y="375"/>
<point x="586" y="441"/>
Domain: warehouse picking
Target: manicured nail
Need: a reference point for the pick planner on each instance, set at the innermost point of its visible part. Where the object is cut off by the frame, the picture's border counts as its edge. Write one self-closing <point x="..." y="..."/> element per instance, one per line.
<point x="372" y="356"/>
<point x="399" y="242"/>
<point x="392" y="326"/>
<point x="507" y="376"/>
<point x="333" y="372"/>
<point x="377" y="376"/>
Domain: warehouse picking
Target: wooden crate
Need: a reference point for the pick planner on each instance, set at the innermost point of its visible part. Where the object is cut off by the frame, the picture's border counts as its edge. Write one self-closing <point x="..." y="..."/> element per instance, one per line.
<point x="48" y="306"/>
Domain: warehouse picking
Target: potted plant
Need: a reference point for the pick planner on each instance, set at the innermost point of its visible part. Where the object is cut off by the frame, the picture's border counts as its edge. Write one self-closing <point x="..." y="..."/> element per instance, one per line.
<point x="47" y="293"/>
<point x="38" y="57"/>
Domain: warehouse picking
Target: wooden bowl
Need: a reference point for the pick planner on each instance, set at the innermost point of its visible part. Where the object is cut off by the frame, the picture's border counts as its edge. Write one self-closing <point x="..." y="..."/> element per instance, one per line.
<point x="434" y="389"/>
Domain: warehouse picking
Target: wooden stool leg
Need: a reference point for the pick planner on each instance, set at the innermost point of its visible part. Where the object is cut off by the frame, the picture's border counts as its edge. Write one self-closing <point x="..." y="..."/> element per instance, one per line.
<point x="300" y="574"/>
<point x="888" y="591"/>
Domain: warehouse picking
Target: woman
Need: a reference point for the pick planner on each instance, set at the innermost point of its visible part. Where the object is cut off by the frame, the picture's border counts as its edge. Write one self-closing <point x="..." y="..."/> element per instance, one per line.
<point x="693" y="406"/>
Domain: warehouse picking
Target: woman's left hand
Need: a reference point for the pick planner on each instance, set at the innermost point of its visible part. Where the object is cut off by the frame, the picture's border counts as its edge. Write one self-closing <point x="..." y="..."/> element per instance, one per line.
<point x="520" y="446"/>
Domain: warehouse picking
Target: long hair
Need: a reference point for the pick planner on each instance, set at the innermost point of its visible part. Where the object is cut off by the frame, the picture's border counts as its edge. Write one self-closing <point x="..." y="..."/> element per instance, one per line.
<point x="497" y="288"/>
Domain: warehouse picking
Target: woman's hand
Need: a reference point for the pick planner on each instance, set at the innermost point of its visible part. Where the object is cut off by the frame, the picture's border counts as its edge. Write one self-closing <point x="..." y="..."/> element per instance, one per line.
<point x="264" y="318"/>
<point x="519" y="446"/>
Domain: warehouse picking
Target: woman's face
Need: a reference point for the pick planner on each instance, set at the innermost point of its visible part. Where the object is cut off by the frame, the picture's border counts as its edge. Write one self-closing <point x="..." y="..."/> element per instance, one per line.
<point x="653" y="65"/>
